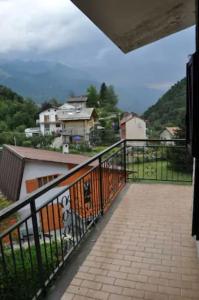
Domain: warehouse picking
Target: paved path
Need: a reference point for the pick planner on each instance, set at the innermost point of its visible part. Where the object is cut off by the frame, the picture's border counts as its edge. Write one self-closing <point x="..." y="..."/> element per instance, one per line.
<point x="145" y="251"/>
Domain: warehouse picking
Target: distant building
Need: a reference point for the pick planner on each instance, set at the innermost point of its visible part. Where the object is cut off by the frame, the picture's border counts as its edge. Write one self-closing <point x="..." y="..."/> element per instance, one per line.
<point x="76" y="123"/>
<point x="78" y="101"/>
<point x="169" y="133"/>
<point x="30" y="132"/>
<point x="133" y="127"/>
<point x="73" y="120"/>
<point x="48" y="121"/>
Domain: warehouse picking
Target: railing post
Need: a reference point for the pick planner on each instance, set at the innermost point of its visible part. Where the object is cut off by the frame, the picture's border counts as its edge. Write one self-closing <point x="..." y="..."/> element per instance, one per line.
<point x="101" y="186"/>
<point x="125" y="170"/>
<point x="37" y="242"/>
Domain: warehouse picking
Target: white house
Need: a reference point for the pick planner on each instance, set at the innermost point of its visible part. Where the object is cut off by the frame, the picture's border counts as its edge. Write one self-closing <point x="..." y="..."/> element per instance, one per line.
<point x="30" y="132"/>
<point x="48" y="121"/>
<point x="133" y="127"/>
<point x="169" y="133"/>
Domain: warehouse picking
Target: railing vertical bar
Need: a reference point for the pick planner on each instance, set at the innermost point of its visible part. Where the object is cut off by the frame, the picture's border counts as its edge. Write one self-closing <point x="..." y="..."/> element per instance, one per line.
<point x="101" y="186"/>
<point x="161" y="148"/>
<point x="91" y="199"/>
<point x="60" y="229"/>
<point x="156" y="158"/>
<point x="29" y="247"/>
<point x="75" y="215"/>
<point x="37" y="243"/>
<point x="22" y="255"/>
<point x="49" y="234"/>
<point x="13" y="254"/>
<point x="81" y="206"/>
<point x="93" y="193"/>
<point x="55" y="232"/>
<point x="72" y="220"/>
<point x="78" y="195"/>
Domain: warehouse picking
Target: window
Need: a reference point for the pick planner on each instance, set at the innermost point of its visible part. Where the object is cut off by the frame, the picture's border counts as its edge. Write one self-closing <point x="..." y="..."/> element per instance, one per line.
<point x="46" y="179"/>
<point x="47" y="127"/>
<point x="34" y="184"/>
<point x="46" y="118"/>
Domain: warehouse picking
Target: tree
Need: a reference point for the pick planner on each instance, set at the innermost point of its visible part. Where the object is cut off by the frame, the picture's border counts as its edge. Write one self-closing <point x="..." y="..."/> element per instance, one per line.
<point x="50" y="104"/>
<point x="111" y="99"/>
<point x="108" y="98"/>
<point x="178" y="157"/>
<point x="93" y="97"/>
<point x="102" y="96"/>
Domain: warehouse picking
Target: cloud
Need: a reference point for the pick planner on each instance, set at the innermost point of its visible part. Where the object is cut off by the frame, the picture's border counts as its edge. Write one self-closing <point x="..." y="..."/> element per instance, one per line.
<point x="41" y="26"/>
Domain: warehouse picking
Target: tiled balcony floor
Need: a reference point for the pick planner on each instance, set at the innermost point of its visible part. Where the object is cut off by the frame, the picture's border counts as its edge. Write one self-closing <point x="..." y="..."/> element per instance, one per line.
<point x="145" y="251"/>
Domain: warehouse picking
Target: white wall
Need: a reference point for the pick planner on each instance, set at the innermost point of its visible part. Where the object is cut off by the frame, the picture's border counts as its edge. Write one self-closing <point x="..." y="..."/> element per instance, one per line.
<point x="52" y="113"/>
<point x="136" y="129"/>
<point x="165" y="135"/>
<point x="34" y="169"/>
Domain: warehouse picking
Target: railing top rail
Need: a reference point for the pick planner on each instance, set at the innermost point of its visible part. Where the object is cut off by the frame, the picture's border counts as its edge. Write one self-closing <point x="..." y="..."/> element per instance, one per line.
<point x="6" y="212"/>
<point x="155" y="140"/>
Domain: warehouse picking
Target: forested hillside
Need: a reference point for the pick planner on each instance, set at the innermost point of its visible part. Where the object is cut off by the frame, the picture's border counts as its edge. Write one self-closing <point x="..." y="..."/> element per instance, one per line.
<point x="168" y="111"/>
<point x="16" y="113"/>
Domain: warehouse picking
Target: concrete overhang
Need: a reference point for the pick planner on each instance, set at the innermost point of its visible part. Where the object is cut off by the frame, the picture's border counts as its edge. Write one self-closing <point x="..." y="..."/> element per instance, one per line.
<point x="131" y="24"/>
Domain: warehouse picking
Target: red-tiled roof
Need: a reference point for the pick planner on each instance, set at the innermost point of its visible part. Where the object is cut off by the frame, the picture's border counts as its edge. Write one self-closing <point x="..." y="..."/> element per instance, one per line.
<point x="172" y="130"/>
<point x="46" y="155"/>
<point x="130" y="116"/>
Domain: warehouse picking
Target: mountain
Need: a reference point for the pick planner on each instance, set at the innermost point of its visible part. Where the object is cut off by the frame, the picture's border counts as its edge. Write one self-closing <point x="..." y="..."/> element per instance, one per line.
<point x="43" y="80"/>
<point x="136" y="99"/>
<point x="169" y="109"/>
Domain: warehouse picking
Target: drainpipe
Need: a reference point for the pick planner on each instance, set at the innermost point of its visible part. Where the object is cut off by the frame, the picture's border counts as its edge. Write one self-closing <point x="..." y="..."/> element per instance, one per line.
<point x="195" y="225"/>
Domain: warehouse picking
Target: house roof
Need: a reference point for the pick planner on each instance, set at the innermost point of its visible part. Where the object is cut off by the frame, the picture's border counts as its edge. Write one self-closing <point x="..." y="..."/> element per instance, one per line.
<point x="131" y="24"/>
<point x="129" y="117"/>
<point x="46" y="155"/>
<point x="67" y="106"/>
<point x="172" y="130"/>
<point x="83" y="114"/>
<point x="77" y="99"/>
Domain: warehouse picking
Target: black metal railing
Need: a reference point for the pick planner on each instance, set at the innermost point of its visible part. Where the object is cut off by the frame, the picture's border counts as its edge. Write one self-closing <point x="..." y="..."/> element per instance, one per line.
<point x="158" y="161"/>
<point x="38" y="234"/>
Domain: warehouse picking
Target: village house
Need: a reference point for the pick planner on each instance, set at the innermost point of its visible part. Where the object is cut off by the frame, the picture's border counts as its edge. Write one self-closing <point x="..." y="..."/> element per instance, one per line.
<point x="76" y="123"/>
<point x="133" y="127"/>
<point x="169" y="133"/>
<point x="73" y="121"/>
<point x="49" y="122"/>
<point x="30" y="132"/>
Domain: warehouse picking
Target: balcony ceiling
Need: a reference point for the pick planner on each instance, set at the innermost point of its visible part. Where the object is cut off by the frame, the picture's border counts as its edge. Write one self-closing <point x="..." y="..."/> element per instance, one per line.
<point x="131" y="24"/>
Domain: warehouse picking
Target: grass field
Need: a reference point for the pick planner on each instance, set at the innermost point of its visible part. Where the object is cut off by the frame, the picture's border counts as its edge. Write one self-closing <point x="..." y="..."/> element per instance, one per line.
<point x="156" y="171"/>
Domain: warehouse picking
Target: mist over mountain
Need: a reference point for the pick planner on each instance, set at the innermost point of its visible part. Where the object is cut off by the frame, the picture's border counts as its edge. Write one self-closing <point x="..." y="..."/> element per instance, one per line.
<point x="42" y="80"/>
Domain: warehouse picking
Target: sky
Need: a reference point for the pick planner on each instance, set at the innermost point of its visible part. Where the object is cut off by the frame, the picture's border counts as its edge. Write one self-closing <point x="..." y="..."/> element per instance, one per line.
<point x="58" y="31"/>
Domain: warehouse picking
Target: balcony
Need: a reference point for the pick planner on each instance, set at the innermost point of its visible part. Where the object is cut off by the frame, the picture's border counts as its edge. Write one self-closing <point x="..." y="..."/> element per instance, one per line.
<point x="145" y="250"/>
<point x="71" y="131"/>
